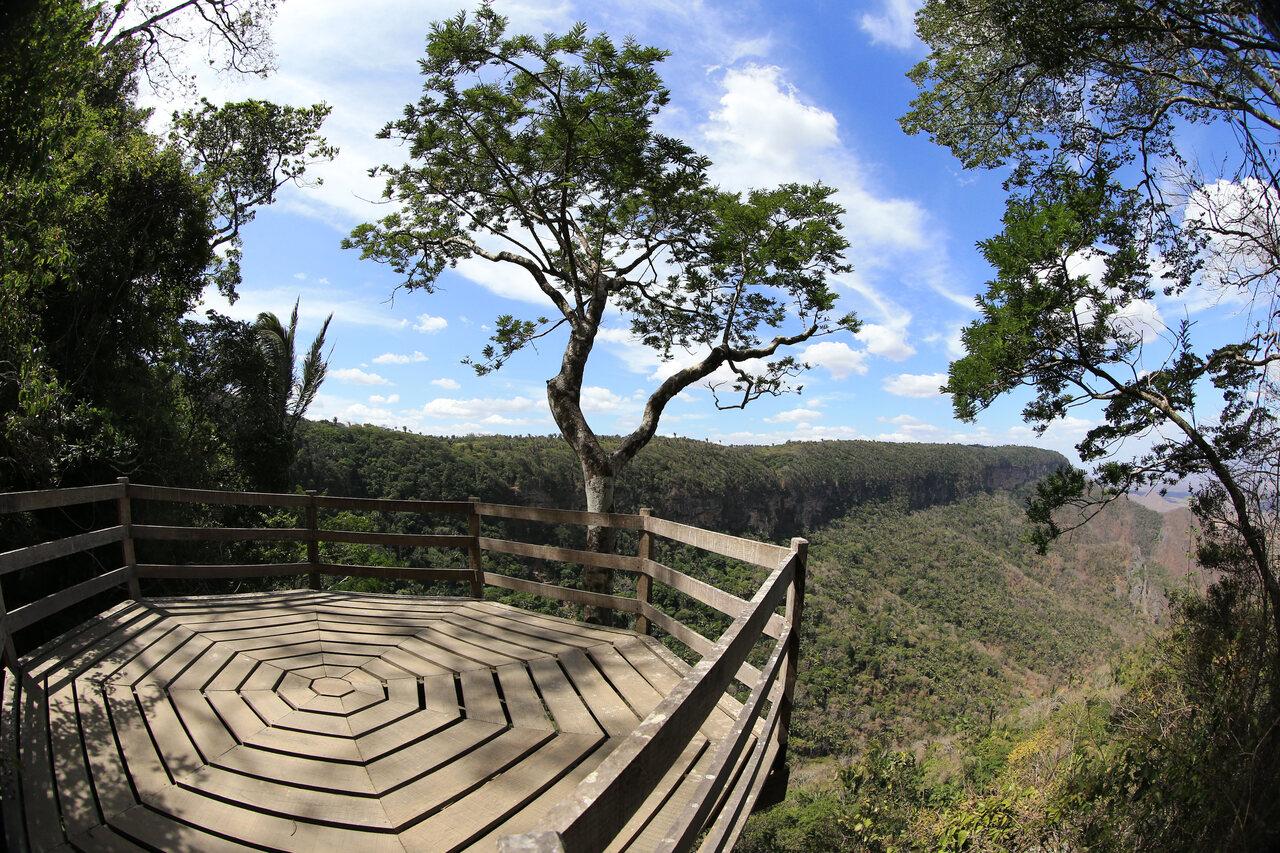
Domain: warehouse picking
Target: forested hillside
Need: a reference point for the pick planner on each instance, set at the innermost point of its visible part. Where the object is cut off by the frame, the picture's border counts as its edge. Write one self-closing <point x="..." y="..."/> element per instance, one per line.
<point x="775" y="491"/>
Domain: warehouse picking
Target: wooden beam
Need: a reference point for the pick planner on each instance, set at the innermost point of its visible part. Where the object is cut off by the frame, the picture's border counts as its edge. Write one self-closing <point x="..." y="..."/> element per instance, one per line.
<point x="20" y="558"/>
<point x="475" y="560"/>
<point x="404" y="572"/>
<point x="48" y="498"/>
<point x="794" y="611"/>
<point x="609" y="796"/>
<point x="705" y="593"/>
<point x="175" y="533"/>
<point x="622" y="562"/>
<point x="215" y="497"/>
<point x="747" y="674"/>
<point x="644" y="583"/>
<point x="761" y="554"/>
<point x="25" y="615"/>
<point x="230" y="570"/>
<point x="392" y="505"/>
<point x="563" y="593"/>
<point x="129" y="557"/>
<point x="621" y="521"/>
<point x="684" y="830"/>
<point x="313" y="546"/>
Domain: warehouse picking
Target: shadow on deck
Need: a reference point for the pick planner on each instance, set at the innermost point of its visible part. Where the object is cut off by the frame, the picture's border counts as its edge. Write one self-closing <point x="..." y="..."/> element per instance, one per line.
<point x="324" y="720"/>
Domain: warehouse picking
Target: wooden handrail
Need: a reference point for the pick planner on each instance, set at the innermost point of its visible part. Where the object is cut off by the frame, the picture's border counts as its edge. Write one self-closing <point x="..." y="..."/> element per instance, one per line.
<point x="605" y="800"/>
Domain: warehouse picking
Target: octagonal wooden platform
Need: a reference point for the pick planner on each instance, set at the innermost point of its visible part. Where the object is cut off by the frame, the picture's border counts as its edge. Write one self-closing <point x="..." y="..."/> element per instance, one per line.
<point x="308" y="720"/>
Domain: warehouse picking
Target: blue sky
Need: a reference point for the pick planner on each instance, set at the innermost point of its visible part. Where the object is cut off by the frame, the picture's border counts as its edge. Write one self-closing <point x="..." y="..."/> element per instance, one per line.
<point x="772" y="92"/>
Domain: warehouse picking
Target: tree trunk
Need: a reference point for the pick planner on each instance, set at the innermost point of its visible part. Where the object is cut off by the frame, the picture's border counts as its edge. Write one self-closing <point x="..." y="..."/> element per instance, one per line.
<point x="599" y="488"/>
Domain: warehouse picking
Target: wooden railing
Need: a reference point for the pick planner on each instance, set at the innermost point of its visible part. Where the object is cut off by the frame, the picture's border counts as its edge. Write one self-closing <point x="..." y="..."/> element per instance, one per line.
<point x="608" y="797"/>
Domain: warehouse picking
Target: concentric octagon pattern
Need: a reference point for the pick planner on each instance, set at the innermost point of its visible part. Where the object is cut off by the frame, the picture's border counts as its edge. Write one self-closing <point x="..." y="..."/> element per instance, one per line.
<point x="323" y="721"/>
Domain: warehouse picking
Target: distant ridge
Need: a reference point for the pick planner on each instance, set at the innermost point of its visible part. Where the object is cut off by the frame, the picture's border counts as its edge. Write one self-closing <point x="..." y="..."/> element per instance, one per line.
<point x="775" y="491"/>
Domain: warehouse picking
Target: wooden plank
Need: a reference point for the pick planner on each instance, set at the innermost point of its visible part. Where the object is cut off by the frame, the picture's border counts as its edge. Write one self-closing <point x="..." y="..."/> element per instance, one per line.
<point x="39" y="795"/>
<point x="393" y="505"/>
<point x="762" y="554"/>
<point x="411" y="573"/>
<point x="532" y="814"/>
<point x="35" y="611"/>
<point x="480" y="697"/>
<point x="608" y="707"/>
<point x="664" y="671"/>
<point x="724" y="833"/>
<point x="407" y="540"/>
<point x="451" y="781"/>
<point x="560" y="516"/>
<point x="290" y="801"/>
<point x="48" y="498"/>
<point x="635" y="689"/>
<point x="234" y="570"/>
<point x="707" y="594"/>
<point x="110" y="778"/>
<point x="297" y="770"/>
<point x="576" y="634"/>
<point x="157" y="830"/>
<point x="208" y="735"/>
<point x="421" y="758"/>
<point x="177" y="533"/>
<point x="686" y="826"/>
<point x="534" y="637"/>
<point x="21" y="558"/>
<point x="746" y="674"/>
<point x="620" y="562"/>
<point x="177" y="752"/>
<point x="616" y="790"/>
<point x="214" y="496"/>
<point x="563" y="701"/>
<point x="501" y="645"/>
<point x="658" y="796"/>
<point x="560" y="593"/>
<point x="70" y="770"/>
<point x="488" y="806"/>
<point x="381" y="747"/>
<point x="522" y="700"/>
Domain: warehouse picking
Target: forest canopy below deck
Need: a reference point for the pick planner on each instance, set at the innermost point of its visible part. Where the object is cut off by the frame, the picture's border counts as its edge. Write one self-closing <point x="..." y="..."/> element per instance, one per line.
<point x="185" y="706"/>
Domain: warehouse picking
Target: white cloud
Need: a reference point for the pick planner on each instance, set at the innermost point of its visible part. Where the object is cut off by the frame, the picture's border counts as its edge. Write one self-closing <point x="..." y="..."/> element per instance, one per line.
<point x="389" y="399"/>
<point x="598" y="399"/>
<point x="311" y="309"/>
<point x="399" y="358"/>
<point x="446" y="383"/>
<point x="356" y="376"/>
<point x="763" y="118"/>
<point x="888" y="340"/>
<point x="797" y="415"/>
<point x="482" y="409"/>
<point x="836" y="357"/>
<point x="430" y="324"/>
<point x="300" y="276"/>
<point x="915" y="384"/>
<point x="894" y="25"/>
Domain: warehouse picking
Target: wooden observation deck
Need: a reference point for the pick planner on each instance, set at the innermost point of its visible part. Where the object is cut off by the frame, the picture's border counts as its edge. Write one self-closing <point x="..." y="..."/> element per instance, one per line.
<point x="312" y="719"/>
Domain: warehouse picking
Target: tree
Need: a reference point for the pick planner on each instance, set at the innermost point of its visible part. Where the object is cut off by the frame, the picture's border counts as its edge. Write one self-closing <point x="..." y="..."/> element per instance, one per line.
<point x="289" y="391"/>
<point x="110" y="234"/>
<point x="540" y="155"/>
<point x="1087" y="102"/>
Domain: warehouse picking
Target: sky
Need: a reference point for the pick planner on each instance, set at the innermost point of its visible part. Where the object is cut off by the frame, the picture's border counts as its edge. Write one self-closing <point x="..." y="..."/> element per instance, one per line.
<point x="772" y="92"/>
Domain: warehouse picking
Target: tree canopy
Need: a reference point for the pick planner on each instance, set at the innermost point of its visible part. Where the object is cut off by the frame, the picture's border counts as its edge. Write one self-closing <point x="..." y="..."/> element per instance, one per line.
<point x="540" y="154"/>
<point x="1089" y="104"/>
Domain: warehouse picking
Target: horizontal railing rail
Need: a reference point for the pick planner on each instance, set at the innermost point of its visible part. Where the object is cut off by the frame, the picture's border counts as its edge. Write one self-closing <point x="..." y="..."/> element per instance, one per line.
<point x="603" y="803"/>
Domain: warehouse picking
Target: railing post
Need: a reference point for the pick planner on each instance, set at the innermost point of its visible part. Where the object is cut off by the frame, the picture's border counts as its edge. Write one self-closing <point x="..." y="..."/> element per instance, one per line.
<point x="313" y="543"/>
<point x="794" y="613"/>
<point x="8" y="655"/>
<point x="125" y="511"/>
<point x="644" y="583"/>
<point x="473" y="550"/>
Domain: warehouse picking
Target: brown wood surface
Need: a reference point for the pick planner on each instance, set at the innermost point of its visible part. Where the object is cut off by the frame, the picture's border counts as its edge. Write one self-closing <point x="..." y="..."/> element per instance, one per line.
<point x="560" y="516"/>
<point x="49" y="498"/>
<point x="21" y="558"/>
<point x="562" y="593"/>
<point x="761" y="554"/>
<point x="21" y="617"/>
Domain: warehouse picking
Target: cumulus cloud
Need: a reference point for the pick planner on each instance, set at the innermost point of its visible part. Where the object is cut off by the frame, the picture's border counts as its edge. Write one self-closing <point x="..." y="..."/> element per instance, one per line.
<point x="893" y="25"/>
<point x="915" y="384"/>
<point x="491" y="410"/>
<point x="430" y="324"/>
<point x="836" y="357"/>
<point x="887" y="339"/>
<point x="356" y="376"/>
<point x="793" y="416"/>
<point x="446" y="383"/>
<point x="399" y="358"/>
<point x="388" y="399"/>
